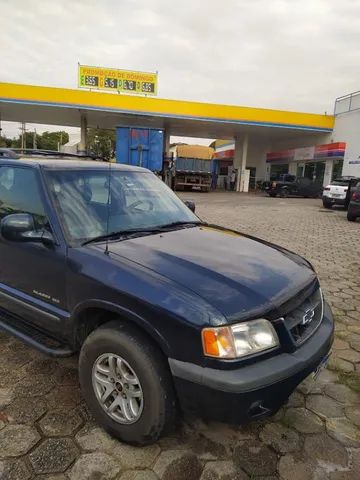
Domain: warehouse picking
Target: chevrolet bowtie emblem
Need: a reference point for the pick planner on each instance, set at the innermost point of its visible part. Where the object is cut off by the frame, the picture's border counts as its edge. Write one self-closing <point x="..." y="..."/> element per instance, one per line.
<point x="309" y="315"/>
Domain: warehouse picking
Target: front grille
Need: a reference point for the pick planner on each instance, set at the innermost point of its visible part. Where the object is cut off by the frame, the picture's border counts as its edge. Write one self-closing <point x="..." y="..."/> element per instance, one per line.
<point x="304" y="320"/>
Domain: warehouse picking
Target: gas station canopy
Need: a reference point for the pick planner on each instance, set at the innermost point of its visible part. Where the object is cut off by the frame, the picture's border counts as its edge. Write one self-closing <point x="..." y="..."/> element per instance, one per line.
<point x="65" y="107"/>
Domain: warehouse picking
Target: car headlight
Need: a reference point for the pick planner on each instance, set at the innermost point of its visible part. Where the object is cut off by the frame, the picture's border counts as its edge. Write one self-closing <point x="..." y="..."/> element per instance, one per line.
<point x="240" y="340"/>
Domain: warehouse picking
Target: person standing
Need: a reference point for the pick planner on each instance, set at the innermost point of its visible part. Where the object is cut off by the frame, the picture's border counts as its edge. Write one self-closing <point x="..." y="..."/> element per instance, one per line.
<point x="214" y="179"/>
<point x="172" y="172"/>
<point x="232" y="180"/>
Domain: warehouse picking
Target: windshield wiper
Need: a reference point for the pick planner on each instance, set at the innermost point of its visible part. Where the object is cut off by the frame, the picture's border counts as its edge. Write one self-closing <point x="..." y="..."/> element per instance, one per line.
<point x="121" y="233"/>
<point x="180" y="224"/>
<point x="145" y="230"/>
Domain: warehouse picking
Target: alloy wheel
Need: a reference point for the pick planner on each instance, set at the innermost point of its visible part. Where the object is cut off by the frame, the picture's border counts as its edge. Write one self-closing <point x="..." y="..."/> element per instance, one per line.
<point x="117" y="388"/>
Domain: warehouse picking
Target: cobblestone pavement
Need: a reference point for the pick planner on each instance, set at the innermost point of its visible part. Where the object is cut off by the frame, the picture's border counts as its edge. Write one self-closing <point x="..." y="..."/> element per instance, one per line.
<point x="47" y="433"/>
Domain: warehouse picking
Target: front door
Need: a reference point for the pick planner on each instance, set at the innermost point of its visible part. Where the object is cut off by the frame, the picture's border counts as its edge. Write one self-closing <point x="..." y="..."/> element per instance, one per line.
<point x="32" y="275"/>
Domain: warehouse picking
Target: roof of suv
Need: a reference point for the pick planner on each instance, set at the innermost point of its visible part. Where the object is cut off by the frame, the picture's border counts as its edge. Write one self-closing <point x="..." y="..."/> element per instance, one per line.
<point x="64" y="164"/>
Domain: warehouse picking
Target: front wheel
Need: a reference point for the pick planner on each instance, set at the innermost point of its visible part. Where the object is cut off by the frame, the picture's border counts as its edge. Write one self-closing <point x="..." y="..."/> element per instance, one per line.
<point x="127" y="384"/>
<point x="273" y="195"/>
<point x="327" y="204"/>
<point x="284" y="193"/>
<point x="351" y="218"/>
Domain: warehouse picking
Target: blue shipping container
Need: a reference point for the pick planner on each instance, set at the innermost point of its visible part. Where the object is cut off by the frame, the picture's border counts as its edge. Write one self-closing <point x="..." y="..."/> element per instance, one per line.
<point x="142" y="147"/>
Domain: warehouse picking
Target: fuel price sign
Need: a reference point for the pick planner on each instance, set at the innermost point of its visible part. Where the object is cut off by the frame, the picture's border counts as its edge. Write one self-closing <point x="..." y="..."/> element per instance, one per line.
<point x="111" y="79"/>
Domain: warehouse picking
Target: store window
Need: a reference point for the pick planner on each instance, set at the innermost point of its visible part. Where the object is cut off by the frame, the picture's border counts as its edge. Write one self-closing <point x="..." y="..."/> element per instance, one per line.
<point x="315" y="171"/>
<point x="300" y="170"/>
<point x="277" y="170"/>
<point x="252" y="178"/>
<point x="337" y="169"/>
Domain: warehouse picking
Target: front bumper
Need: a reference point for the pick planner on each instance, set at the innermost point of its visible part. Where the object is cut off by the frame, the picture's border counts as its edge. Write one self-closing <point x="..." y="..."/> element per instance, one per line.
<point x="252" y="391"/>
<point x="354" y="209"/>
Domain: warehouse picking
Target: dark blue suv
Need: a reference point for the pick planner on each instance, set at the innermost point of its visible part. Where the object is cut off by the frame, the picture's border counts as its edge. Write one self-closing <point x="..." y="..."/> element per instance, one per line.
<point x="168" y="313"/>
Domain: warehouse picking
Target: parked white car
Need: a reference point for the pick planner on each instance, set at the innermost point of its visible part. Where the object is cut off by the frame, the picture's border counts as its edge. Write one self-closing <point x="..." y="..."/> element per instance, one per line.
<point x="338" y="192"/>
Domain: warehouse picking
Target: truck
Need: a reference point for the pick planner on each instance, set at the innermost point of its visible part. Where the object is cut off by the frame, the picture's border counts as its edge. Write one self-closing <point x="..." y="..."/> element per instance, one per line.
<point x="167" y="313"/>
<point x="140" y="147"/>
<point x="193" y="166"/>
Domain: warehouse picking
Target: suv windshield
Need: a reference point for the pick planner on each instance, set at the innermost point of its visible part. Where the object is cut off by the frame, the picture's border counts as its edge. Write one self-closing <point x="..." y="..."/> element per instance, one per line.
<point x="138" y="200"/>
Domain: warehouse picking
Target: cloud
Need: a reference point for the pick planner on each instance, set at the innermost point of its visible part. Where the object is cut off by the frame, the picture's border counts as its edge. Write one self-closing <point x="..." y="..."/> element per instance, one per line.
<point x="293" y="54"/>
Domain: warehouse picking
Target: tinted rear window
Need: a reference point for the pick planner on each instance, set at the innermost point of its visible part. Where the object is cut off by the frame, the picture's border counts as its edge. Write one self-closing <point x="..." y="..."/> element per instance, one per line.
<point x="340" y="183"/>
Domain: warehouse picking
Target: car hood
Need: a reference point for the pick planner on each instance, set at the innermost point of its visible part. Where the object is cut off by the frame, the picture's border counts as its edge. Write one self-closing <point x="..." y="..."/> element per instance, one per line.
<point x="240" y="276"/>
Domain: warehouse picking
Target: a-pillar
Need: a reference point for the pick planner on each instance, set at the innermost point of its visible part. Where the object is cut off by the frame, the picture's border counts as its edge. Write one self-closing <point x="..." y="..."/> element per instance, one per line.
<point x="83" y="135"/>
<point x="240" y="158"/>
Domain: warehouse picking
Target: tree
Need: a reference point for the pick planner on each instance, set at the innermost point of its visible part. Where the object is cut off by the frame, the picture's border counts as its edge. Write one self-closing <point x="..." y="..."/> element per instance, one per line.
<point x="28" y="141"/>
<point x="52" y="140"/>
<point x="46" y="141"/>
<point x="101" y="142"/>
<point x="5" y="142"/>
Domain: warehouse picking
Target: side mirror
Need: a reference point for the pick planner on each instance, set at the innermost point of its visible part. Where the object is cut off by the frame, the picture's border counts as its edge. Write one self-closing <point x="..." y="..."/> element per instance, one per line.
<point x="20" y="227"/>
<point x="190" y="205"/>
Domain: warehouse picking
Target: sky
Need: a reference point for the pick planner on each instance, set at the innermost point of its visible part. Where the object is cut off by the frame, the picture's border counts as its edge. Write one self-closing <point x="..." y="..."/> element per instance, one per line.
<point x="292" y="55"/>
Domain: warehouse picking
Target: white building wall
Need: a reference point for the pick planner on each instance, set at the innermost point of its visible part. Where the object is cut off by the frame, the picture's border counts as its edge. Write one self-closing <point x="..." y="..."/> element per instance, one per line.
<point x="256" y="154"/>
<point x="347" y="129"/>
<point x="292" y="168"/>
<point x="256" y="157"/>
<point x="298" y="142"/>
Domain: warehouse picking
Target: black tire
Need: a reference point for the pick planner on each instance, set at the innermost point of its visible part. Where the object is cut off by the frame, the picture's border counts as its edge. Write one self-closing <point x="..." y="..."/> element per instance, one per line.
<point x="273" y="195"/>
<point x="327" y="204"/>
<point x="159" y="404"/>
<point x="284" y="193"/>
<point x="351" y="218"/>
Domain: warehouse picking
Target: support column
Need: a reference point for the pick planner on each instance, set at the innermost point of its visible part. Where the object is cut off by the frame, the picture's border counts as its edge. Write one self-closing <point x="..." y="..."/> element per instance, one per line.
<point x="244" y="184"/>
<point x="240" y="158"/>
<point x="166" y="142"/>
<point x="237" y="160"/>
<point x="83" y="135"/>
<point x="168" y="171"/>
<point x="329" y="165"/>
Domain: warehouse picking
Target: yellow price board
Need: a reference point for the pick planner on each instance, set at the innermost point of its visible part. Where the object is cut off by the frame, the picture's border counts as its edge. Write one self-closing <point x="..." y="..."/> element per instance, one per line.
<point x="111" y="79"/>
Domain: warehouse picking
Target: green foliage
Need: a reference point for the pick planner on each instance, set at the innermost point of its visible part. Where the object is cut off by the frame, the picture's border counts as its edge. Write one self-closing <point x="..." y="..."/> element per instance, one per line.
<point x="46" y="141"/>
<point x="101" y="142"/>
<point x="28" y="142"/>
<point x="5" y="142"/>
<point x="52" y="140"/>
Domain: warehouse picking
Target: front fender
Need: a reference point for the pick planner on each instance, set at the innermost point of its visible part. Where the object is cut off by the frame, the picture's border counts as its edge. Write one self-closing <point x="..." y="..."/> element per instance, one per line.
<point x="125" y="314"/>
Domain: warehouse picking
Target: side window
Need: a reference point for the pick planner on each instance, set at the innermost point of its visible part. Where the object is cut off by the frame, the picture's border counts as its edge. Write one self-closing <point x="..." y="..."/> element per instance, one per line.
<point x="20" y="193"/>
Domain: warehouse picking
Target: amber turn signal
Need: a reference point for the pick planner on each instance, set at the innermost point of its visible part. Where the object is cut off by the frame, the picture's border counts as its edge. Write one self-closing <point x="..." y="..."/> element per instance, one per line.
<point x="218" y="342"/>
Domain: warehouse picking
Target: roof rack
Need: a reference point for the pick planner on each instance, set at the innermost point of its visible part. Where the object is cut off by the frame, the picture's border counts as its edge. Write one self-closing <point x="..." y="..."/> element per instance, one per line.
<point x="51" y="153"/>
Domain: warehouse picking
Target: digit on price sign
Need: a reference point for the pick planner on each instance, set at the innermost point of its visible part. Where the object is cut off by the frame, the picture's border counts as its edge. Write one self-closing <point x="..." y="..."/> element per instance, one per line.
<point x="147" y="87"/>
<point x="129" y="85"/>
<point x="110" y="82"/>
<point x="91" y="81"/>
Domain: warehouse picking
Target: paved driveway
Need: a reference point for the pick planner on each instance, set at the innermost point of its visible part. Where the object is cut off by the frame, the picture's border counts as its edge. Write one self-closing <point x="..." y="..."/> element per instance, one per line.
<point x="46" y="431"/>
